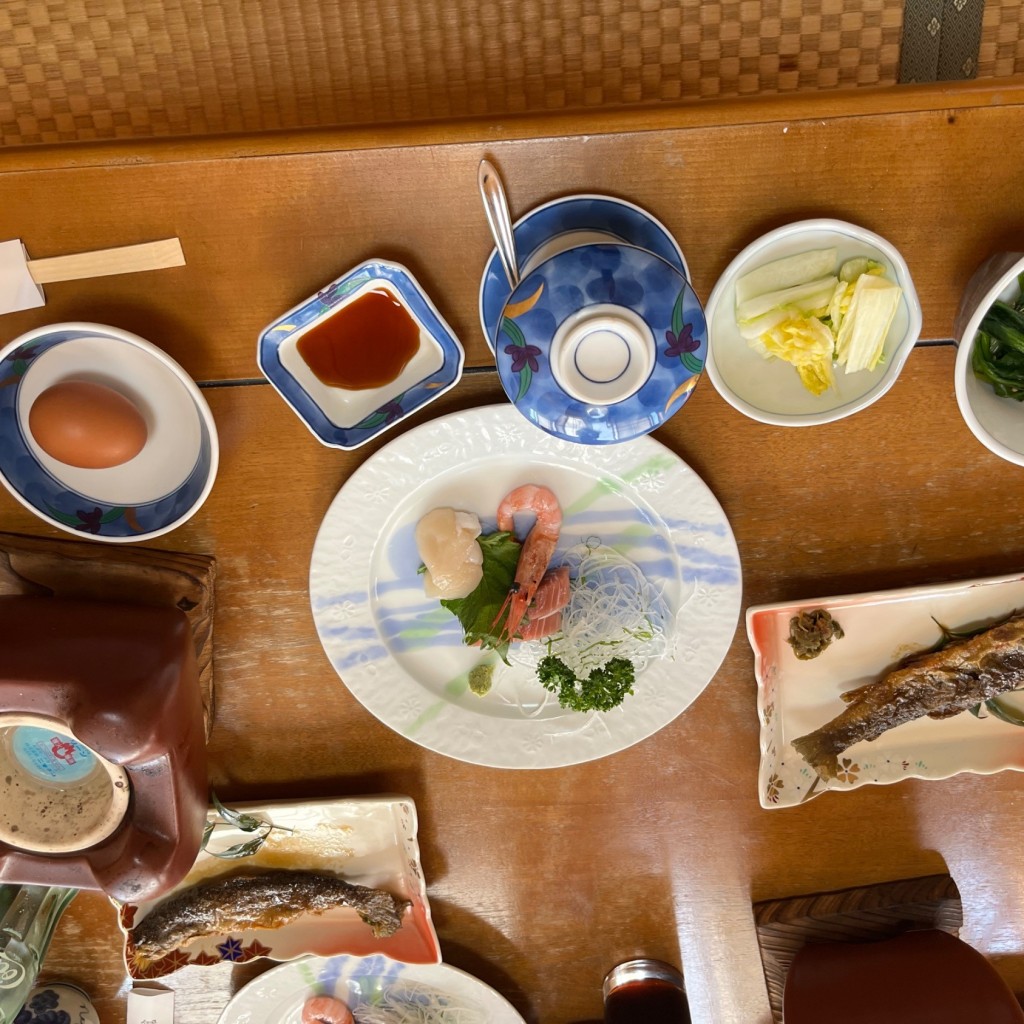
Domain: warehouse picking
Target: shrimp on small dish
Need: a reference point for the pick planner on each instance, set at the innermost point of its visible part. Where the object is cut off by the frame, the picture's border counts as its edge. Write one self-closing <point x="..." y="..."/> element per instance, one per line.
<point x="536" y="554"/>
<point x="326" y="1010"/>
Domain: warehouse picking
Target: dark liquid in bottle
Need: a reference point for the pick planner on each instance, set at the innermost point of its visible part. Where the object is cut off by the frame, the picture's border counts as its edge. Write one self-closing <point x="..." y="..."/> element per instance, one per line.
<point x="650" y="1001"/>
<point x="366" y="344"/>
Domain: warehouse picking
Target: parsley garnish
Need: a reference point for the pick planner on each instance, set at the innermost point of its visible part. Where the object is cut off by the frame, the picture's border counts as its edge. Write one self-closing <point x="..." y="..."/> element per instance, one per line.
<point x="605" y="688"/>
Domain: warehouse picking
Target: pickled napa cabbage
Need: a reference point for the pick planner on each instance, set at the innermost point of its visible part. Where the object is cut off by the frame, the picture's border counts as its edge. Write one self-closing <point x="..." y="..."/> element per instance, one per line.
<point x="807" y="344"/>
<point x="861" y="335"/>
<point x="801" y="309"/>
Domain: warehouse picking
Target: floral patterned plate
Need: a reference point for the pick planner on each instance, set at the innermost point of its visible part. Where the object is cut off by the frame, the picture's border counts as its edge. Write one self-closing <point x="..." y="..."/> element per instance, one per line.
<point x="569" y="220"/>
<point x="277" y="996"/>
<point x="796" y="697"/>
<point x="601" y="344"/>
<point x="367" y="840"/>
<point x="341" y="418"/>
<point x="402" y="655"/>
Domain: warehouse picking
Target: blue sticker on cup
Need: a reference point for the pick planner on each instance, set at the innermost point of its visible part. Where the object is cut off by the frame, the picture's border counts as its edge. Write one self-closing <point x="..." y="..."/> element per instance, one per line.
<point x="50" y="755"/>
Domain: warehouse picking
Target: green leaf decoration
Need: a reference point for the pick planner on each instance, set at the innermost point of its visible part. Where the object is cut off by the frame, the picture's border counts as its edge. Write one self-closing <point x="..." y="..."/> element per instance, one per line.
<point x="63" y="517"/>
<point x="478" y="611"/>
<point x="525" y="378"/>
<point x="333" y="295"/>
<point x="246" y="849"/>
<point x="677" y="314"/>
<point x="516" y="336"/>
<point x="514" y="332"/>
<point x="692" y="363"/>
<point x="1005" y="713"/>
<point x="112" y="515"/>
<point x="375" y="419"/>
<point x="245" y="823"/>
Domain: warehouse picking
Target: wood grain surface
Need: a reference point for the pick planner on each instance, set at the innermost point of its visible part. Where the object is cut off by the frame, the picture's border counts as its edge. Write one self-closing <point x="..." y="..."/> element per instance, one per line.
<point x="540" y="882"/>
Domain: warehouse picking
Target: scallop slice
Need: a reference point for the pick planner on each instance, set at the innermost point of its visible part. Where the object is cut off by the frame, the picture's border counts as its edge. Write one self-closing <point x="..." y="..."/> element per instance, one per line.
<point x="447" y="542"/>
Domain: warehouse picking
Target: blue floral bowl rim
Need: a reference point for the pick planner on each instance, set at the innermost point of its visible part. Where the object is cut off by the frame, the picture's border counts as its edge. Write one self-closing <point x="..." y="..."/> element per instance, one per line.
<point x="561" y="201"/>
<point x="202" y="407"/>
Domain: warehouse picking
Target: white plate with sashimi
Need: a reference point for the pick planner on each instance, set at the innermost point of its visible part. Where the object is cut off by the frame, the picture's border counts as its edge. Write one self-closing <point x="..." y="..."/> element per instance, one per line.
<point x="622" y="550"/>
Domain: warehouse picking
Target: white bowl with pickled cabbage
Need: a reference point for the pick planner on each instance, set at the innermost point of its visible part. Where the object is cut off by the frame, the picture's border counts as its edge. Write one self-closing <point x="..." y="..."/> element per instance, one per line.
<point x="811" y="323"/>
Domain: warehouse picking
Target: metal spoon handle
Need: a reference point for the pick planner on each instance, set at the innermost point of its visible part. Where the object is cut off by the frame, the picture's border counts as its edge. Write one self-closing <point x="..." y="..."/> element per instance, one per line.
<point x="498" y="219"/>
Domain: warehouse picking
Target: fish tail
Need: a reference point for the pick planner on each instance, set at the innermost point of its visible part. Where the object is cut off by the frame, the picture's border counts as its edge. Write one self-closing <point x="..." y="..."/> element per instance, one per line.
<point x="818" y="753"/>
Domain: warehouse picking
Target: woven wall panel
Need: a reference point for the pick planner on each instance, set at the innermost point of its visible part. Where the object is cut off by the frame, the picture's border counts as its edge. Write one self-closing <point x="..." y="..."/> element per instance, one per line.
<point x="96" y="69"/>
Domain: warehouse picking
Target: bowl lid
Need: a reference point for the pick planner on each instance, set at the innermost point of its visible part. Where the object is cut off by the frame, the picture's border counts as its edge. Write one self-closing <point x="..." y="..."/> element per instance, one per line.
<point x="601" y="343"/>
<point x="548" y="227"/>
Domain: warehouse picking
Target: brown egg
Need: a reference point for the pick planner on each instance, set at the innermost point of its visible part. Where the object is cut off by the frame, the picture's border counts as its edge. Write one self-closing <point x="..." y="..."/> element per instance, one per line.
<point x="87" y="425"/>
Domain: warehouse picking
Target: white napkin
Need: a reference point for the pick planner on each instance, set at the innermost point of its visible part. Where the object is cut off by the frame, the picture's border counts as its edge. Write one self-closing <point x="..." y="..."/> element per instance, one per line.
<point x="150" y="1006"/>
<point x="17" y="289"/>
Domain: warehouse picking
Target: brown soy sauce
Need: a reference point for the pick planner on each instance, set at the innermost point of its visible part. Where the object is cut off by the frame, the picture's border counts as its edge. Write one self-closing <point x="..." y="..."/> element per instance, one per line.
<point x="366" y="344"/>
<point x="648" y="1001"/>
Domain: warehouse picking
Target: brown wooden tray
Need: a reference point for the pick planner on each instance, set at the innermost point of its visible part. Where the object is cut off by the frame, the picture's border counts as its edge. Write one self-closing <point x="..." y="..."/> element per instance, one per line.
<point x="862" y="914"/>
<point x="80" y="569"/>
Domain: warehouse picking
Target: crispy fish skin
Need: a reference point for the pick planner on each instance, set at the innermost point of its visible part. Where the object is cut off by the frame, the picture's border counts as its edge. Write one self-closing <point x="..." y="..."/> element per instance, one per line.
<point x="938" y="684"/>
<point x="267" y="900"/>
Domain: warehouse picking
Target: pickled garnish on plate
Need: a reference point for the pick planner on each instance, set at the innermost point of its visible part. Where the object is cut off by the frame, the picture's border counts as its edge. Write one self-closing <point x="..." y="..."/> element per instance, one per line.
<point x="811" y="632"/>
<point x="937" y="684"/>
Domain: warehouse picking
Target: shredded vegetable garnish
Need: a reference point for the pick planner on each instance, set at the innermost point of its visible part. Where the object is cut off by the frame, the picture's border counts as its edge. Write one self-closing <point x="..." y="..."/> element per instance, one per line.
<point x="416" y="1004"/>
<point x="613" y="612"/>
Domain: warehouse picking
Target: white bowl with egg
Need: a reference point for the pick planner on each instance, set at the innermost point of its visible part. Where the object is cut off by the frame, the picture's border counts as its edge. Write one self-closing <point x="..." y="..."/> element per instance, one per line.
<point x="996" y="421"/>
<point x="143" y="413"/>
<point x="770" y="390"/>
<point x="361" y="355"/>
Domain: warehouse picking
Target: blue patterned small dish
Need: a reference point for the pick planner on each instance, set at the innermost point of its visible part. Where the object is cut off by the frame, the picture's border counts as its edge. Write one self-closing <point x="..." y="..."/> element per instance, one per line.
<point x="347" y="418"/>
<point x="145" y="497"/>
<point x="565" y="223"/>
<point x="58" y="1003"/>
<point x="601" y="344"/>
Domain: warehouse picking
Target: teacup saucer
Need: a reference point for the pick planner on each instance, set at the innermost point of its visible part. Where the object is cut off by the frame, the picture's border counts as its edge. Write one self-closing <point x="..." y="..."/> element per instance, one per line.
<point x="601" y="343"/>
<point x="572" y="220"/>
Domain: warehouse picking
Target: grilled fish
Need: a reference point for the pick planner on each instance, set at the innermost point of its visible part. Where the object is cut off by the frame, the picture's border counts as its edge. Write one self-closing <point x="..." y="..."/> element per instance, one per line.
<point x="938" y="684"/>
<point x="269" y="900"/>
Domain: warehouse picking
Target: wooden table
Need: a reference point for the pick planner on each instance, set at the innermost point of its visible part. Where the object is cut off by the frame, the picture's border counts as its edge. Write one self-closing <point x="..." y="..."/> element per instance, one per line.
<point x="539" y="882"/>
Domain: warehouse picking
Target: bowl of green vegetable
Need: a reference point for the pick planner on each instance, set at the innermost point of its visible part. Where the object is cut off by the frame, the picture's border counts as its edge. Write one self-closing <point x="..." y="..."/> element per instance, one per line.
<point x="989" y="376"/>
<point x="810" y="323"/>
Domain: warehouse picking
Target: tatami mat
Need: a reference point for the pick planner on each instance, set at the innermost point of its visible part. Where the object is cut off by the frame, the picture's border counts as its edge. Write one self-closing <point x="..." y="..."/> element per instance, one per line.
<point x="97" y="69"/>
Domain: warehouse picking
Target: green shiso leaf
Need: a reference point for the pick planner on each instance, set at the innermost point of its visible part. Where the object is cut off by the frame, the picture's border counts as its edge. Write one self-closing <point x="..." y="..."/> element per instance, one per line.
<point x="477" y="611"/>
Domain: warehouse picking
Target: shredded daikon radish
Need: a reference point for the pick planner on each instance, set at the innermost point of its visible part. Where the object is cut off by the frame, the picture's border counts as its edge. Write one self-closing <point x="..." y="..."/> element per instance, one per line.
<point x="613" y="612"/>
<point x="416" y="1004"/>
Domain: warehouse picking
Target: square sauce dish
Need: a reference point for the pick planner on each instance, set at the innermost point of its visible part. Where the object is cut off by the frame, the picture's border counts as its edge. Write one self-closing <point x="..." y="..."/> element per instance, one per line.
<point x="361" y="354"/>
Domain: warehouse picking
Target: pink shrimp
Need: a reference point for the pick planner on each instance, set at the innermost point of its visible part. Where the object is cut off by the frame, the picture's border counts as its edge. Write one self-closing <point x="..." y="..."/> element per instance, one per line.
<point x="326" y="1010"/>
<point x="537" y="552"/>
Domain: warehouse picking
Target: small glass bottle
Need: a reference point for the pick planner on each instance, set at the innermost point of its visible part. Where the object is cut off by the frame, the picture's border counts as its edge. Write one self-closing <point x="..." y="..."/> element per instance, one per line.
<point x="645" y="992"/>
<point x="28" y="917"/>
